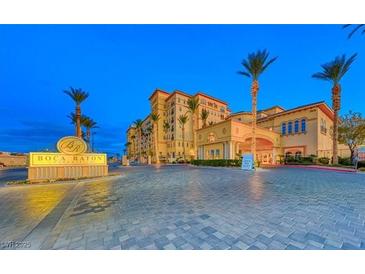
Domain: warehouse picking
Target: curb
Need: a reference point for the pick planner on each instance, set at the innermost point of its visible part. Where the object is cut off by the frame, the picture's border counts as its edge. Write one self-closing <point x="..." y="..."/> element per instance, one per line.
<point x="348" y="170"/>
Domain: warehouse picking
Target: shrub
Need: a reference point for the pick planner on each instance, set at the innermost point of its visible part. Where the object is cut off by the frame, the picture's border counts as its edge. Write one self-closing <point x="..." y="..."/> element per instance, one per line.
<point x="324" y="160"/>
<point x="345" y="161"/>
<point x="362" y="168"/>
<point x="361" y="164"/>
<point x="217" y="162"/>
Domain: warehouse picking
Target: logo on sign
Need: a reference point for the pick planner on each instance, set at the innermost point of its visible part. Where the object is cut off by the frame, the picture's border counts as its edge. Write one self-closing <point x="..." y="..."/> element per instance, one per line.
<point x="71" y="145"/>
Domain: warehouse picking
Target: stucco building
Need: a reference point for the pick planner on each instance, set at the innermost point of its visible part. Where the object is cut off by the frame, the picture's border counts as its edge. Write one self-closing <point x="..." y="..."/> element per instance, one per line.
<point x="300" y="131"/>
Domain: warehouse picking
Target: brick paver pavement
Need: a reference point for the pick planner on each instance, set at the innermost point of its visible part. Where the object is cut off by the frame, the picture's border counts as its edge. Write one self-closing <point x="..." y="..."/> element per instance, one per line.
<point x="183" y="207"/>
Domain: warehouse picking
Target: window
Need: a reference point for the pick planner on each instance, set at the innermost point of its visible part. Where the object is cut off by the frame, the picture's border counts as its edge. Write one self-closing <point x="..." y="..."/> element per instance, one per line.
<point x="296" y="126"/>
<point x="283" y="128"/>
<point x="304" y="125"/>
<point x="217" y="152"/>
<point x="290" y="127"/>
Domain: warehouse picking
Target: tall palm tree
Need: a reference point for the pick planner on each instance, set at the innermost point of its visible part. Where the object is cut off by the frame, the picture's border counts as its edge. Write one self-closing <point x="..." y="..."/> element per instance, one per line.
<point x="72" y="117"/>
<point x="127" y="147"/>
<point x="89" y="124"/>
<point x="333" y="72"/>
<point x="358" y="27"/>
<point x="133" y="138"/>
<point x="193" y="105"/>
<point x="183" y="119"/>
<point x="78" y="95"/>
<point x="155" y="117"/>
<point x="166" y="127"/>
<point x="255" y="64"/>
<point x="138" y="125"/>
<point x="204" y="116"/>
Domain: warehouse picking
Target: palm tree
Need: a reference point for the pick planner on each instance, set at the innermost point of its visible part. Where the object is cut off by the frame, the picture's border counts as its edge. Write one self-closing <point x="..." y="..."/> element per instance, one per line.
<point x="72" y="117"/>
<point x="255" y="64"/>
<point x="193" y="105"/>
<point x="155" y="117"/>
<point x="358" y="27"/>
<point x="183" y="119"/>
<point x="204" y="116"/>
<point x="133" y="138"/>
<point x="89" y="124"/>
<point x="166" y="127"/>
<point x="138" y="125"/>
<point x="78" y="95"/>
<point x="333" y="72"/>
<point x="127" y="145"/>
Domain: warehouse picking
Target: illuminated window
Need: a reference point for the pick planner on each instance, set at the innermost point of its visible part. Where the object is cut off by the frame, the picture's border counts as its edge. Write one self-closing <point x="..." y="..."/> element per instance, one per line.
<point x="304" y="125"/>
<point x="296" y="126"/>
<point x="283" y="128"/>
<point x="290" y="127"/>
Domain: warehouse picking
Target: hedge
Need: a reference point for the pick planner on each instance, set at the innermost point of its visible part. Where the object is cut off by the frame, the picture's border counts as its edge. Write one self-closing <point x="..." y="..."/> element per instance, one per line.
<point x="217" y="162"/>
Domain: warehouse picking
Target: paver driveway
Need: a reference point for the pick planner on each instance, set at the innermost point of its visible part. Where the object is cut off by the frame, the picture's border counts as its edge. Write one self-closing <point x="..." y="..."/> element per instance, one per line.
<point x="183" y="207"/>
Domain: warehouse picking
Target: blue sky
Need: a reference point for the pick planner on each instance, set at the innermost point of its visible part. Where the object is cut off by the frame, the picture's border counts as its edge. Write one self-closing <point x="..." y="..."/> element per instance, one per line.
<point x="121" y="65"/>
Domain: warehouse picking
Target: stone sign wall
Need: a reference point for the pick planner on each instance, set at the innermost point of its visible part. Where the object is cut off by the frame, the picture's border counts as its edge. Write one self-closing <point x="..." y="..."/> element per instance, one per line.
<point x="71" y="162"/>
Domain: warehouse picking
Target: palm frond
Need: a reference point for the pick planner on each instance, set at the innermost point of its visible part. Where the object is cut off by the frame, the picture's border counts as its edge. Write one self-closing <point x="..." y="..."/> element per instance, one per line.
<point x="77" y="94"/>
<point x="256" y="63"/>
<point x="336" y="69"/>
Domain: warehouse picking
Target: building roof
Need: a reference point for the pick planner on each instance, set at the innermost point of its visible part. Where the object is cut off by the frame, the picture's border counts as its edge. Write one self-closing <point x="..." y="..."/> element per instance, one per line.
<point x="210" y="97"/>
<point x="270" y="108"/>
<point x="322" y="105"/>
<point x="158" y="90"/>
<point x="186" y="94"/>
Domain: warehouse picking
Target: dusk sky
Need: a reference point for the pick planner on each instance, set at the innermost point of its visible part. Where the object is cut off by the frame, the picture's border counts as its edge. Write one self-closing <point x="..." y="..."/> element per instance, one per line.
<point x="121" y="65"/>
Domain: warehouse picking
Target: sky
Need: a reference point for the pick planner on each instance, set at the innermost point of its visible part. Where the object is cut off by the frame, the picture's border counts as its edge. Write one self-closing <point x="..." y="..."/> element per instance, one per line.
<point x="121" y="65"/>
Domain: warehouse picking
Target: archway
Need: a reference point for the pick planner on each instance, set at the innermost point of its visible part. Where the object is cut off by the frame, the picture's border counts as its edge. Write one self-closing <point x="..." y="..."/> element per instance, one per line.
<point x="264" y="150"/>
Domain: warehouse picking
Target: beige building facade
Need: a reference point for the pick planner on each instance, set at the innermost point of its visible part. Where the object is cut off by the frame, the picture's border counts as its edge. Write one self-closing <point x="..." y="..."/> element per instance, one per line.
<point x="169" y="106"/>
<point x="301" y="131"/>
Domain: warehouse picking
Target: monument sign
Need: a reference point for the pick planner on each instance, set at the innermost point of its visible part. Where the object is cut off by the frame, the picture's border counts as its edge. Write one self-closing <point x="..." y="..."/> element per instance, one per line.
<point x="72" y="161"/>
<point x="247" y="162"/>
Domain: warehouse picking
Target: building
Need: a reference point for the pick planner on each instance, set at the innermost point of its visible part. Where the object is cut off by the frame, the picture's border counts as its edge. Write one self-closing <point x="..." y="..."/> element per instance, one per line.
<point x="8" y="159"/>
<point x="169" y="106"/>
<point x="301" y="131"/>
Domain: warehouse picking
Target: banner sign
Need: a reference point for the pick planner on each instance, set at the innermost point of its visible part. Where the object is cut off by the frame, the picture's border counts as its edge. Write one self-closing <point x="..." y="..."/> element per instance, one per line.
<point x="247" y="162"/>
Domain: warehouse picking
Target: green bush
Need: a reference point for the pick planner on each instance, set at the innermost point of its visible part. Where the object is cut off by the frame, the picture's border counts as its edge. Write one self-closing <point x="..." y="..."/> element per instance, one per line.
<point x="345" y="161"/>
<point x="362" y="168"/>
<point x="217" y="162"/>
<point x="361" y="164"/>
<point x="308" y="160"/>
<point x="324" y="160"/>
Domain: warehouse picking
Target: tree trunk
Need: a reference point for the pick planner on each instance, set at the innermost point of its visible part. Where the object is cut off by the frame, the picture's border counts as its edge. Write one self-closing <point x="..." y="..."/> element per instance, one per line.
<point x="88" y="138"/>
<point x="78" y="121"/>
<point x="139" y="145"/>
<point x="254" y="90"/>
<point x="183" y="137"/>
<point x="336" y="105"/>
<point x="155" y="133"/>
<point x="194" y="134"/>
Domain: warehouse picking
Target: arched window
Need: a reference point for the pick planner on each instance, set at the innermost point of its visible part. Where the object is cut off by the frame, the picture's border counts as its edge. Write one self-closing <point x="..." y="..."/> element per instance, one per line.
<point x="298" y="155"/>
<point x="290" y="127"/>
<point x="304" y="125"/>
<point x="296" y="126"/>
<point x="283" y="128"/>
